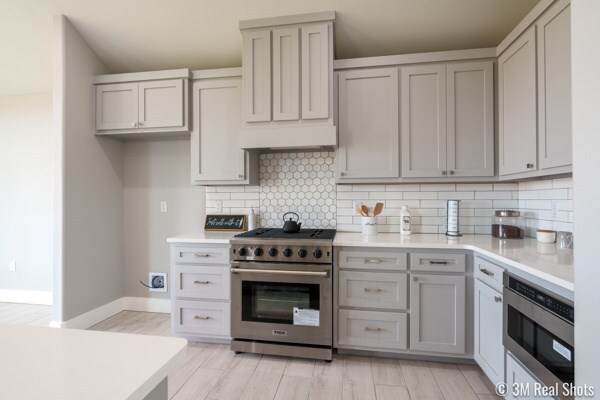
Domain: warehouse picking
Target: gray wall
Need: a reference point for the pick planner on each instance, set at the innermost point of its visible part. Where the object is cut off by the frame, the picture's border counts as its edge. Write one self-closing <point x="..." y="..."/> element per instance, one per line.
<point x="89" y="244"/>
<point x="156" y="171"/>
<point x="586" y="142"/>
<point x="26" y="191"/>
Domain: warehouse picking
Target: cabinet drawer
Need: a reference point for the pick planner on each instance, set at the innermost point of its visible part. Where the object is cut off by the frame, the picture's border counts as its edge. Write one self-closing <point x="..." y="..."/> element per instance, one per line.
<point x="489" y="273"/>
<point x="201" y="282"/>
<point x="200" y="255"/>
<point x="373" y="289"/>
<point x="438" y="262"/>
<point x="372" y="260"/>
<point x="201" y="317"/>
<point x="382" y="330"/>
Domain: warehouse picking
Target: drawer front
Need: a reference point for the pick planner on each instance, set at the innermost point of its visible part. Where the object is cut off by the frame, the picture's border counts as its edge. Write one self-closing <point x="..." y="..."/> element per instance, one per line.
<point x="381" y="330"/>
<point x="438" y="262"/>
<point x="373" y="289"/>
<point x="489" y="273"/>
<point x="372" y="260"/>
<point x="201" y="317"/>
<point x="200" y="255"/>
<point x="202" y="282"/>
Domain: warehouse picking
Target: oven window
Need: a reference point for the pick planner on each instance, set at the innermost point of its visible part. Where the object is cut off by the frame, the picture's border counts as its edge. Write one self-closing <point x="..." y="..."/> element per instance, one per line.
<point x="555" y="354"/>
<point x="275" y="302"/>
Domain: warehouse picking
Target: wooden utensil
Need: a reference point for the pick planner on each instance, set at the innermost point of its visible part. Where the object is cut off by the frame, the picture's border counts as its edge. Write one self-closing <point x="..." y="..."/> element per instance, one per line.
<point x="365" y="210"/>
<point x="378" y="209"/>
<point x="358" y="210"/>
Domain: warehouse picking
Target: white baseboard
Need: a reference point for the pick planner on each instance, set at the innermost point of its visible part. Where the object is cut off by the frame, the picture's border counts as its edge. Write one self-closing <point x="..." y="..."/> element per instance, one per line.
<point x="105" y="311"/>
<point x="148" y="304"/>
<point x="25" y="296"/>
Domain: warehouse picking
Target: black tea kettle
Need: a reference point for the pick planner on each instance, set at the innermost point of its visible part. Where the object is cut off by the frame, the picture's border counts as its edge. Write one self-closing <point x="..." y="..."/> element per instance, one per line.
<point x="291" y="226"/>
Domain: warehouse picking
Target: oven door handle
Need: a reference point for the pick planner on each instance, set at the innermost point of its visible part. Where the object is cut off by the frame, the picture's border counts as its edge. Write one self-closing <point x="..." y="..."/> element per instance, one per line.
<point x="324" y="274"/>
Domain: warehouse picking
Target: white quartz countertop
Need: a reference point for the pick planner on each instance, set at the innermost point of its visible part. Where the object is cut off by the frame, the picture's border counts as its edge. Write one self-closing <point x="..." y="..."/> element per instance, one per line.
<point x="70" y="364"/>
<point x="539" y="260"/>
<point x="204" y="237"/>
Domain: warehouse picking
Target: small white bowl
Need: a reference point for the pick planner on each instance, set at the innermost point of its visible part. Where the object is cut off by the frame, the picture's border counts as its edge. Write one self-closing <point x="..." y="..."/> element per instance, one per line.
<point x="546" y="236"/>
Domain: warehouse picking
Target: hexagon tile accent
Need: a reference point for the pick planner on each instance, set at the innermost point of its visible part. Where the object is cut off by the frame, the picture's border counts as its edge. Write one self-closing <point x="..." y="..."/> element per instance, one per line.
<point x="300" y="182"/>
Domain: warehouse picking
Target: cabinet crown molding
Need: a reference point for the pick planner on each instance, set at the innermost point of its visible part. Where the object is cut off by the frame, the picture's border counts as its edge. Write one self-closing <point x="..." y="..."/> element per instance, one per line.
<point x="288" y="20"/>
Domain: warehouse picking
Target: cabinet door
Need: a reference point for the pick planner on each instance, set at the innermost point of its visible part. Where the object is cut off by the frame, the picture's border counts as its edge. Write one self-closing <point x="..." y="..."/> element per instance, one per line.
<point x="256" y="66"/>
<point x="216" y="154"/>
<point x="489" y="350"/>
<point x="424" y="121"/>
<point x="368" y="124"/>
<point x="286" y="74"/>
<point x="470" y="119"/>
<point x="437" y="313"/>
<point x="520" y="382"/>
<point x="517" y="106"/>
<point x="316" y="57"/>
<point x="117" y="106"/>
<point x="161" y="104"/>
<point x="554" y="86"/>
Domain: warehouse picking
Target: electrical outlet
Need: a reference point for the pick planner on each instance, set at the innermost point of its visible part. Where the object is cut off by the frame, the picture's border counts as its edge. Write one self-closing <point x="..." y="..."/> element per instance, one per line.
<point x="157" y="281"/>
<point x="163" y="206"/>
<point x="12" y="265"/>
<point x="554" y="205"/>
<point x="219" y="206"/>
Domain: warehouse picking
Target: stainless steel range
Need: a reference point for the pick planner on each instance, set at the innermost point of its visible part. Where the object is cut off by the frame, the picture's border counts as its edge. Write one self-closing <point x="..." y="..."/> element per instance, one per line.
<point x="281" y="292"/>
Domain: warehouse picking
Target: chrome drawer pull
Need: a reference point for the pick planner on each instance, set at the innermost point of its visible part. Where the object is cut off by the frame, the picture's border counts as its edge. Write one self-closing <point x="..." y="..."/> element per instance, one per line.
<point x="377" y="290"/>
<point x="438" y="262"/>
<point x="199" y="317"/>
<point x="485" y="271"/>
<point x="201" y="255"/>
<point x="369" y="329"/>
<point x="373" y="260"/>
<point x="201" y="282"/>
<point x="497" y="299"/>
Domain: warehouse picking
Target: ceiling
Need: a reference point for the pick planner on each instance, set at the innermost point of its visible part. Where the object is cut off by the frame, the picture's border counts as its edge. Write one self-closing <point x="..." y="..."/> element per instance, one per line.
<point x="141" y="35"/>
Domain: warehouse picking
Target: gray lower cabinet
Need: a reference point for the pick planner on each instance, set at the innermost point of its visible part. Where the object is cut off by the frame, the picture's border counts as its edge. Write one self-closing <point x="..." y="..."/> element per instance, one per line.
<point x="378" y="330"/>
<point x="437" y="313"/>
<point x="372" y="289"/>
<point x="489" y="350"/>
<point x="200" y="295"/>
<point x="520" y="382"/>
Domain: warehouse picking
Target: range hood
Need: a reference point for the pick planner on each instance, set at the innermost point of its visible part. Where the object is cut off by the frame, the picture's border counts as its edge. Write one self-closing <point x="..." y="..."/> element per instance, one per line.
<point x="287" y="89"/>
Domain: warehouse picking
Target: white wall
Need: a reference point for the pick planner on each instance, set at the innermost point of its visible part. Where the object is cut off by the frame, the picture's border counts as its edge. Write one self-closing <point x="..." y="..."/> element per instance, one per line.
<point x="585" y="37"/>
<point x="26" y="185"/>
<point x="155" y="171"/>
<point x="89" y="206"/>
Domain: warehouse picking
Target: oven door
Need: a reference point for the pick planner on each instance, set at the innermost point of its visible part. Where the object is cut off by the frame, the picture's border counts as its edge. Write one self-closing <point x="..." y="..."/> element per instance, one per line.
<point x="288" y="303"/>
<point x="542" y="341"/>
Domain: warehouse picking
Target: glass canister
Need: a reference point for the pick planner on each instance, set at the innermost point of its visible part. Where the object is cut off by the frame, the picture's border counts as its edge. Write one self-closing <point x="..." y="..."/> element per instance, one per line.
<point x="508" y="224"/>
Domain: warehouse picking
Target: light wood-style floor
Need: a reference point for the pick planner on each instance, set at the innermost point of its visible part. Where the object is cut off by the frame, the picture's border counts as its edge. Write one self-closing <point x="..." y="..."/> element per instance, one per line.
<point x="214" y="372"/>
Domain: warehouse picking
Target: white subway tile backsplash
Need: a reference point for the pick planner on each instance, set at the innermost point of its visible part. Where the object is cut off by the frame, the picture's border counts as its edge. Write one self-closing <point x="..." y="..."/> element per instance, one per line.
<point x="444" y="187"/>
<point x="386" y="195"/>
<point x="472" y="187"/>
<point x="505" y="204"/>
<point x="506" y="186"/>
<point x="456" y="195"/>
<point x="403" y="188"/>
<point x="421" y="195"/>
<point x="496" y="195"/>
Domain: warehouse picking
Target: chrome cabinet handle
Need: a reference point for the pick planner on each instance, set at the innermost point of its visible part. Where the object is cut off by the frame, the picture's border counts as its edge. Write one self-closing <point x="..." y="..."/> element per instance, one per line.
<point x="485" y="271"/>
<point x="377" y="290"/>
<point x="438" y="262"/>
<point x="200" y="255"/>
<point x="497" y="299"/>
<point x="199" y="317"/>
<point x="444" y="172"/>
<point x="201" y="282"/>
<point x="369" y="329"/>
<point x="278" y="272"/>
<point x="529" y="165"/>
<point x="373" y="260"/>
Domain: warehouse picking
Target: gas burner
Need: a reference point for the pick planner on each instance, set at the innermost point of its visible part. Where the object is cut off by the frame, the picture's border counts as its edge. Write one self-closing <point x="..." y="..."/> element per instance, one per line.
<point x="276" y="233"/>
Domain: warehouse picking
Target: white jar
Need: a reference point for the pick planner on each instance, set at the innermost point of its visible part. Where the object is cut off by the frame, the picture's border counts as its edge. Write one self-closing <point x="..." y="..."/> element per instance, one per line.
<point x="405" y="221"/>
<point x="369" y="225"/>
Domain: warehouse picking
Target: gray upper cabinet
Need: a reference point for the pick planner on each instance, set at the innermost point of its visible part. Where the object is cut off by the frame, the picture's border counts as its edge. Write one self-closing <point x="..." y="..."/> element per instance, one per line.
<point x="215" y="154"/>
<point x="437" y="313"/>
<point x="554" y="87"/>
<point x="424" y="121"/>
<point x="257" y="75"/>
<point x="448" y="120"/>
<point x="286" y="74"/>
<point x="517" y="119"/>
<point x="368" y="124"/>
<point x="117" y="106"/>
<point x="161" y="103"/>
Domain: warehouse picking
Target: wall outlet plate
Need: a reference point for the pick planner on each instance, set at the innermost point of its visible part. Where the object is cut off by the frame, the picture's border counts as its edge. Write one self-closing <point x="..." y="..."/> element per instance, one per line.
<point x="157" y="281"/>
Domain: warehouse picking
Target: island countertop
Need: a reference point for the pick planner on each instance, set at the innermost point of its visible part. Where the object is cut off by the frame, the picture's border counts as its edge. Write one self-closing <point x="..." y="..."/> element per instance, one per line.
<point x="71" y="364"/>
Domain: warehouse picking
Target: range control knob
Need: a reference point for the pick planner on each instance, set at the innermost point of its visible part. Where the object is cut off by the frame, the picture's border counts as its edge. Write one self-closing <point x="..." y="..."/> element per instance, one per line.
<point x="258" y="252"/>
<point x="242" y="251"/>
<point x="317" y="253"/>
<point x="273" y="252"/>
<point x="287" y="252"/>
<point x="302" y="253"/>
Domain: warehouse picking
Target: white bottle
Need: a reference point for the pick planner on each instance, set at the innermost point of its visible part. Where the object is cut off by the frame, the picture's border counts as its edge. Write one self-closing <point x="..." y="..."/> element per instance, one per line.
<point x="405" y="221"/>
<point x="252" y="220"/>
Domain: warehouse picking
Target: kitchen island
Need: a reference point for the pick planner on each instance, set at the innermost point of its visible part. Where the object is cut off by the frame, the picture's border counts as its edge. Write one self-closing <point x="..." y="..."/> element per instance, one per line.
<point x="70" y="364"/>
